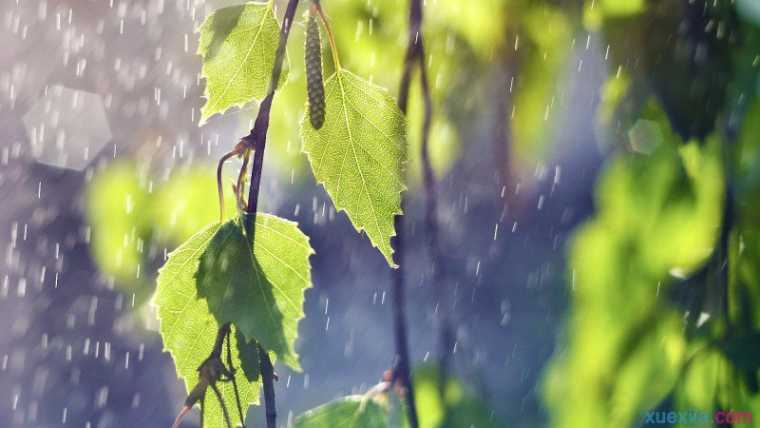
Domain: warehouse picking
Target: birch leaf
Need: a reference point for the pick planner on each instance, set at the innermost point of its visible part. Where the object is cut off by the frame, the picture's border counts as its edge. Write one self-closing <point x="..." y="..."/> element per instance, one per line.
<point x="359" y="155"/>
<point x="238" y="46"/>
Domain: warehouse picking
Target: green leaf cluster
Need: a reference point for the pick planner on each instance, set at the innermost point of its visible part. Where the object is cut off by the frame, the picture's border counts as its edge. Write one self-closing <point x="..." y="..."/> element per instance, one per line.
<point x="216" y="277"/>
<point x="358" y="154"/>
<point x="657" y="222"/>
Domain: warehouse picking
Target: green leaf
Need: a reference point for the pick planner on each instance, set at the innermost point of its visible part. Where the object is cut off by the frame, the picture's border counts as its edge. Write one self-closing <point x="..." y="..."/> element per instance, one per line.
<point x="188" y="329"/>
<point x="238" y="46"/>
<point x="261" y="292"/>
<point x="354" y="411"/>
<point x="359" y="155"/>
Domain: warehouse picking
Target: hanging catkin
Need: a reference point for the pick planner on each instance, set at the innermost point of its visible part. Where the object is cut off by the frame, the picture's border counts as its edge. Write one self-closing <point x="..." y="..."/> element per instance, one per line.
<point x="314" y="84"/>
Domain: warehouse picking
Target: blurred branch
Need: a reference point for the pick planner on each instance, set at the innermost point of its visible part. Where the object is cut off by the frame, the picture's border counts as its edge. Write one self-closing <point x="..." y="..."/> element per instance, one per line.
<point x="415" y="56"/>
<point x="445" y="331"/>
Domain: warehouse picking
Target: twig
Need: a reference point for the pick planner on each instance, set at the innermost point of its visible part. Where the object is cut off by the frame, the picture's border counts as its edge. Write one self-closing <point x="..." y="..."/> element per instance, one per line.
<point x="224" y="407"/>
<point x="257" y="139"/>
<point x="431" y="222"/>
<point x="232" y="370"/>
<point x="210" y="371"/>
<point x="414" y="56"/>
<point x="219" y="186"/>
<point x="203" y="412"/>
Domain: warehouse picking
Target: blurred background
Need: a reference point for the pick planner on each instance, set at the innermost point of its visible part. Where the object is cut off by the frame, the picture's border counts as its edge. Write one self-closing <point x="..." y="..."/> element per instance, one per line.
<point x="598" y="182"/>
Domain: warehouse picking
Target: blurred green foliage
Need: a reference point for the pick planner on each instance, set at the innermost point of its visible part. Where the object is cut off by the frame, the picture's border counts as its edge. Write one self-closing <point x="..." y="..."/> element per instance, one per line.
<point x="664" y="284"/>
<point x="134" y="221"/>
<point x="542" y="54"/>
<point x="658" y="216"/>
<point x="116" y="202"/>
<point x="448" y="406"/>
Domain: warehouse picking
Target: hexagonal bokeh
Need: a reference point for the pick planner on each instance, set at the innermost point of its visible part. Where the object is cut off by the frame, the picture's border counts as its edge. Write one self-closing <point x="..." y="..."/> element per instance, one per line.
<point x="67" y="127"/>
<point x="644" y="136"/>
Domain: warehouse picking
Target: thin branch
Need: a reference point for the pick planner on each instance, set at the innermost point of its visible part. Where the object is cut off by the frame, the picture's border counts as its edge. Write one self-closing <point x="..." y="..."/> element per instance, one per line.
<point x="181" y="415"/>
<point x="221" y="402"/>
<point x="414" y="56"/>
<point x="257" y="139"/>
<point x="232" y="370"/>
<point x="445" y="333"/>
<point x="219" y="185"/>
<point x="203" y="410"/>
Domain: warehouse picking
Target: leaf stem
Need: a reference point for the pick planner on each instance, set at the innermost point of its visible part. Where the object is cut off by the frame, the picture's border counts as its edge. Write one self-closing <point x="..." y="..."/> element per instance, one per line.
<point x="219" y="184"/>
<point x="330" y="38"/>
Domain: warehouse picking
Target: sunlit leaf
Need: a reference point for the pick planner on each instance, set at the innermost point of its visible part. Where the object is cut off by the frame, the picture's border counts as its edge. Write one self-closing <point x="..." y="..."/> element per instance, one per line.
<point x="262" y="292"/>
<point x="188" y="328"/>
<point x="238" y="46"/>
<point x="354" y="411"/>
<point x="359" y="155"/>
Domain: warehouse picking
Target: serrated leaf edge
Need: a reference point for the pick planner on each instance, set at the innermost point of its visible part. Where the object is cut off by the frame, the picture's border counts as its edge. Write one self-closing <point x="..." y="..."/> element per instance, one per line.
<point x="204" y="119"/>
<point x="404" y="162"/>
<point x="308" y="286"/>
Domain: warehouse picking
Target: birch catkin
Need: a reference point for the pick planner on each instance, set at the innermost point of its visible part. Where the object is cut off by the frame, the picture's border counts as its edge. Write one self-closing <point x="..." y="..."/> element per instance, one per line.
<point x="314" y="84"/>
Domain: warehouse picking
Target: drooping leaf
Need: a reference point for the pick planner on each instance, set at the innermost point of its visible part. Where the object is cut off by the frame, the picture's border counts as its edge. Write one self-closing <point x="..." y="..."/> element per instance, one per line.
<point x="262" y="292"/>
<point x="238" y="46"/>
<point x="358" y="155"/>
<point x="448" y="28"/>
<point x="188" y="329"/>
<point x="354" y="411"/>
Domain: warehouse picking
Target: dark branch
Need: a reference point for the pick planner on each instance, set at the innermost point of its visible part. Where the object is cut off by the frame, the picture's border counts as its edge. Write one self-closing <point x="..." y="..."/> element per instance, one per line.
<point x="445" y="333"/>
<point x="414" y="57"/>
<point x="258" y="135"/>
<point x="257" y="139"/>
